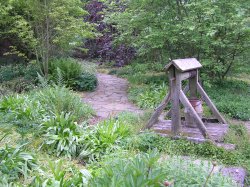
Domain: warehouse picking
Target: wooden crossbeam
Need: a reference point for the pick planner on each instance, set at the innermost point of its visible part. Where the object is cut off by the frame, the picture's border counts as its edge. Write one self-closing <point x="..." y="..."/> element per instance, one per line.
<point x="158" y="111"/>
<point x="210" y="104"/>
<point x="184" y="100"/>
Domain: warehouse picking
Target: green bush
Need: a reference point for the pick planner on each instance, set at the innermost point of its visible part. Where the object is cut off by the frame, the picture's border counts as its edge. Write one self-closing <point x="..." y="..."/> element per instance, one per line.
<point x="69" y="67"/>
<point x="79" y="76"/>
<point x="19" y="78"/>
<point x="232" y="98"/>
<point x="10" y="72"/>
<point x="147" y="169"/>
<point x="15" y="163"/>
<point x="139" y="68"/>
<point x="85" y="82"/>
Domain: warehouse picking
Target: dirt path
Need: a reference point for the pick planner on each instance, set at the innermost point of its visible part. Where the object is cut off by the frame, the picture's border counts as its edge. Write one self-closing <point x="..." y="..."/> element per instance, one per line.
<point x="110" y="97"/>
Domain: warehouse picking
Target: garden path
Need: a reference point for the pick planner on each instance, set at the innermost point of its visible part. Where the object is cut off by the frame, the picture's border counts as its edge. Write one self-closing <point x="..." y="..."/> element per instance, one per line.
<point x="110" y="97"/>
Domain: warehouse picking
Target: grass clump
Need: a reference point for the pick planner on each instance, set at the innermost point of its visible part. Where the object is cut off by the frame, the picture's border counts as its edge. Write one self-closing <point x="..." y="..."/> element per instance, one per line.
<point x="60" y="99"/>
<point x="61" y="135"/>
<point x="103" y="139"/>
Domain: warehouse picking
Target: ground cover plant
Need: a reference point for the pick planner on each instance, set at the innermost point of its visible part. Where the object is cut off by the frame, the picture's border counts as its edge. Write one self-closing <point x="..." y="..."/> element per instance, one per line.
<point x="16" y="163"/>
<point x="18" y="78"/>
<point x="146" y="169"/>
<point x="62" y="136"/>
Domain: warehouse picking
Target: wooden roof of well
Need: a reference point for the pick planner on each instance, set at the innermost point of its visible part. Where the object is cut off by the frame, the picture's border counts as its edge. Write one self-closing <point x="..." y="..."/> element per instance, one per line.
<point x="184" y="64"/>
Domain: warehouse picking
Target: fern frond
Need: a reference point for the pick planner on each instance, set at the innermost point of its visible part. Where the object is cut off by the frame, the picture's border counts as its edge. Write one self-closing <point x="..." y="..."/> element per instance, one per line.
<point x="43" y="81"/>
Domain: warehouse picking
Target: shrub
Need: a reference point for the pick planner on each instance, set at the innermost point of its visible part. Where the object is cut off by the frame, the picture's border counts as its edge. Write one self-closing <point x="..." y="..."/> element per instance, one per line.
<point x="19" y="78"/>
<point x="232" y="98"/>
<point x="85" y="82"/>
<point x="9" y="72"/>
<point x="146" y="169"/>
<point x="79" y="76"/>
<point x="15" y="163"/>
<point x="70" y="68"/>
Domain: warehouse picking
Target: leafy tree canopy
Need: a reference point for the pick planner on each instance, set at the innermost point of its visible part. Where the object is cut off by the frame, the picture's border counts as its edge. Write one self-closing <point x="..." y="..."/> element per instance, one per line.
<point x="215" y="32"/>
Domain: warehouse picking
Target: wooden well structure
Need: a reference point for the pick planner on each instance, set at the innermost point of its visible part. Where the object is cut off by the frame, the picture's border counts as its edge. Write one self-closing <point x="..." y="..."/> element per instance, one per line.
<point x="179" y="70"/>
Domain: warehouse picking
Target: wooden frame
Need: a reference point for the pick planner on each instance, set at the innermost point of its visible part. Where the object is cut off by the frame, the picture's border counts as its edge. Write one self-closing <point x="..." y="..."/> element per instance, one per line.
<point x="179" y="70"/>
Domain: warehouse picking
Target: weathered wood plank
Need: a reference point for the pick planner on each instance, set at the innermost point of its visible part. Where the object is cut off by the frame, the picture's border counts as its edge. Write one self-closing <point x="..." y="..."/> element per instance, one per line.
<point x="186" y="89"/>
<point x="193" y="86"/>
<point x="175" y="101"/>
<point x="158" y="111"/>
<point x="215" y="130"/>
<point x="184" y="64"/>
<point x="200" y="125"/>
<point x="210" y="104"/>
<point x="187" y="75"/>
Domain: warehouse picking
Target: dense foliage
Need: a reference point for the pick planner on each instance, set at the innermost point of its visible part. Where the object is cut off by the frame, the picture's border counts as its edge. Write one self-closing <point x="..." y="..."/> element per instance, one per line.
<point x="148" y="88"/>
<point x="43" y="29"/>
<point x="147" y="169"/>
<point x="74" y="74"/>
<point x="103" y="46"/>
<point x="18" y="78"/>
<point x="15" y="163"/>
<point x="215" y="32"/>
<point x="47" y="136"/>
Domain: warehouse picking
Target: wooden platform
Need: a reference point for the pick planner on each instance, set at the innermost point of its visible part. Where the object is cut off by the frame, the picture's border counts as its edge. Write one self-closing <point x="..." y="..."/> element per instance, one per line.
<point x="217" y="131"/>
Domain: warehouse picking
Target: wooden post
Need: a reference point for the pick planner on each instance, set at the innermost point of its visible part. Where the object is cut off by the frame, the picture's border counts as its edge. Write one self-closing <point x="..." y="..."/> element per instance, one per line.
<point x="210" y="104"/>
<point x="188" y="106"/>
<point x="193" y="86"/>
<point x="175" y="103"/>
<point x="186" y="89"/>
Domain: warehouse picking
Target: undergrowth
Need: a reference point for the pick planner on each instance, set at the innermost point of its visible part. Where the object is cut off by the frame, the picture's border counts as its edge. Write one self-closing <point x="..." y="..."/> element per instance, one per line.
<point x="232" y="96"/>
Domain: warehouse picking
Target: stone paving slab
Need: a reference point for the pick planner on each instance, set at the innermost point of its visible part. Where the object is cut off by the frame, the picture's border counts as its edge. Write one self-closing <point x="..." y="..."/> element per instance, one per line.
<point x="110" y="97"/>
